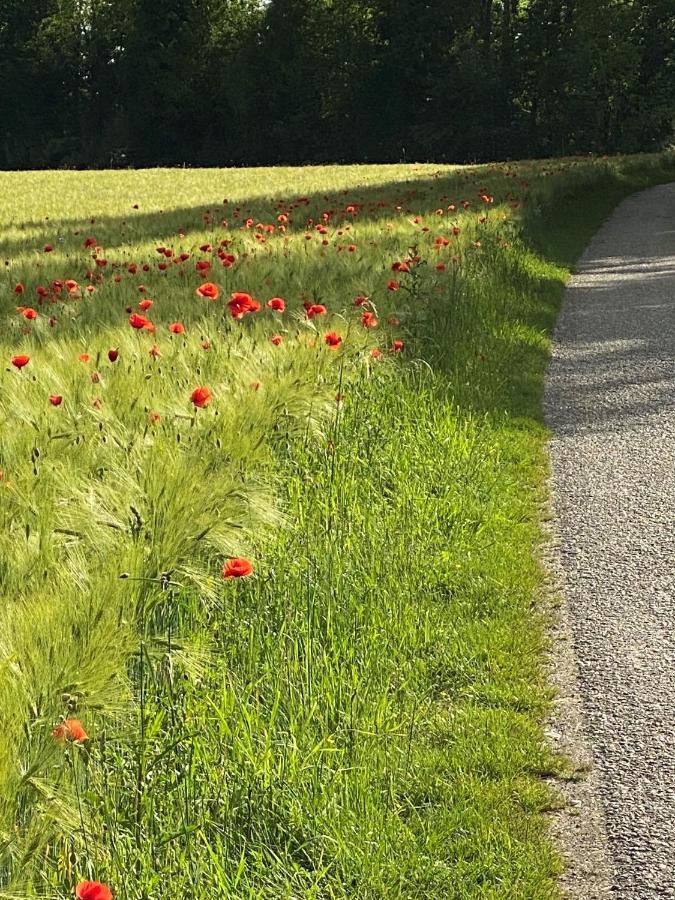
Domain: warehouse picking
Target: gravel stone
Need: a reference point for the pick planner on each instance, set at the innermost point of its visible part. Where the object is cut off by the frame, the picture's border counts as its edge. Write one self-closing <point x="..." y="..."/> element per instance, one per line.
<point x="610" y="404"/>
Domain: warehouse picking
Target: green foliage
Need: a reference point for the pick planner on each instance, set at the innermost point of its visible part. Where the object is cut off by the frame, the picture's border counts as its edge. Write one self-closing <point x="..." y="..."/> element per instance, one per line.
<point x="213" y="82"/>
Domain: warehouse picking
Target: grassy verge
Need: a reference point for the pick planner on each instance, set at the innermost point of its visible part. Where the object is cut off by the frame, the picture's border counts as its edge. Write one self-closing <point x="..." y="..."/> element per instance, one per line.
<point x="361" y="716"/>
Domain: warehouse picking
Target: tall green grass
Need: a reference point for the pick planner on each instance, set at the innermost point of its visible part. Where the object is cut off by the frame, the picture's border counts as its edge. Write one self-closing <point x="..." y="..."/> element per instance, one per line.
<point x="361" y="716"/>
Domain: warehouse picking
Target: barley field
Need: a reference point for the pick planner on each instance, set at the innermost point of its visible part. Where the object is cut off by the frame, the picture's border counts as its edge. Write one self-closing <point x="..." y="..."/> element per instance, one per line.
<point x="271" y="473"/>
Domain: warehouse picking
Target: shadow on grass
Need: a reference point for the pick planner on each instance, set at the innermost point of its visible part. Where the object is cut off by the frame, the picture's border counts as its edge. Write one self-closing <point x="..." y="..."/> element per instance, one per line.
<point x="373" y="202"/>
<point x="493" y="359"/>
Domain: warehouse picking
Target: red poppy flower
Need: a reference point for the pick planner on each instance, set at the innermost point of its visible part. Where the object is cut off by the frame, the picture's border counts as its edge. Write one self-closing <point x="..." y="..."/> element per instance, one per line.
<point x="376" y="352"/>
<point x="316" y="309"/>
<point x="397" y="346"/>
<point x="205" y="248"/>
<point x="154" y="351"/>
<point x="56" y="399"/>
<point x="84" y="357"/>
<point x="112" y="355"/>
<point x="276" y="339"/>
<point x="70" y="730"/>
<point x="201" y="397"/>
<point x="145" y="304"/>
<point x="137" y="321"/>
<point x="48" y="248"/>
<point x="277" y="303"/>
<point x="209" y="290"/>
<point x="237" y="568"/>
<point x="20" y="361"/>
<point x="93" y="890"/>
<point x="368" y="319"/>
<point x="206" y="344"/>
<point x="333" y="339"/>
<point x="400" y="267"/>
<point x="90" y="242"/>
<point x="177" y="328"/>
<point x="154" y="417"/>
<point x="19" y="289"/>
<point x="393" y="285"/>
<point x="241" y="304"/>
<point x="28" y="312"/>
<point x="360" y="300"/>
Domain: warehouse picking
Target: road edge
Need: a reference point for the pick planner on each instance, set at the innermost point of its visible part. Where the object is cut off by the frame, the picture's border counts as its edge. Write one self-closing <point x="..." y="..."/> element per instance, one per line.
<point x="576" y="823"/>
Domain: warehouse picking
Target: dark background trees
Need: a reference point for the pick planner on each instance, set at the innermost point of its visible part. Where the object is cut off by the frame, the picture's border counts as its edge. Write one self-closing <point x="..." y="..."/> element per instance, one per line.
<point x="219" y="82"/>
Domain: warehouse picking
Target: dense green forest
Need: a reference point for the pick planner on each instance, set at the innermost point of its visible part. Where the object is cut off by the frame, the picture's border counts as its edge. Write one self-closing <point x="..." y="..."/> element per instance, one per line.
<point x="218" y="82"/>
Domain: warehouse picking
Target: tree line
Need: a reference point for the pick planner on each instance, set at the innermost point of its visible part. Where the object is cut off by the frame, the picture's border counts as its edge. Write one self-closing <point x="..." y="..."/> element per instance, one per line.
<point x="246" y="82"/>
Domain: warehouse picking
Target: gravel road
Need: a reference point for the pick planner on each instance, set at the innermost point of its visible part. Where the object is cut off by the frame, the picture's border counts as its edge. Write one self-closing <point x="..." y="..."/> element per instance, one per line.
<point x="610" y="403"/>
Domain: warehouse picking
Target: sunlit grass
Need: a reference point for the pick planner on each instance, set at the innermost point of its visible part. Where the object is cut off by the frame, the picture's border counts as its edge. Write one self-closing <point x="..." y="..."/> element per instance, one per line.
<point x="361" y="716"/>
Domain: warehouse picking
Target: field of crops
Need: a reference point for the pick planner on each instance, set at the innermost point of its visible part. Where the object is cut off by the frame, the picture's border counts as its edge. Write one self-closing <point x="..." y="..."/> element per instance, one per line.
<point x="271" y="468"/>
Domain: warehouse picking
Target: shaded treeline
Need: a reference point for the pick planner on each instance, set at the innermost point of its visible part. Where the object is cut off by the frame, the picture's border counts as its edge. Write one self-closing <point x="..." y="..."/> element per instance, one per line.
<point x="217" y="82"/>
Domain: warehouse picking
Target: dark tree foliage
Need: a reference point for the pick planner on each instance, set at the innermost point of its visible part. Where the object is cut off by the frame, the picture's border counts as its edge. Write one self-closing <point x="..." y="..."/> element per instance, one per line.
<point x="246" y="82"/>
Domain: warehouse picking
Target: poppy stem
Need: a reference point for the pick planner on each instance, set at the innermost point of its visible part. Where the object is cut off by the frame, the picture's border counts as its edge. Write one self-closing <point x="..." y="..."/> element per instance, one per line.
<point x="335" y="437"/>
<point x="140" y="774"/>
<point x="79" y="806"/>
